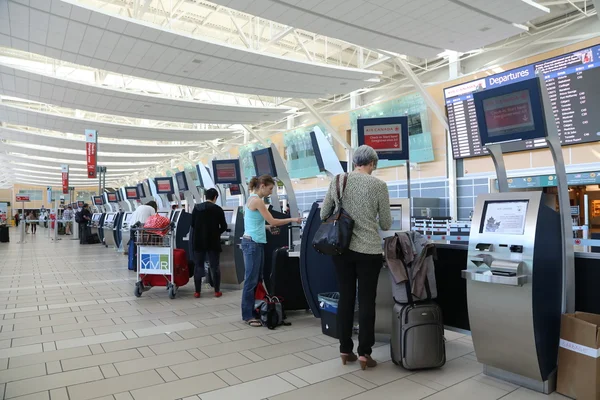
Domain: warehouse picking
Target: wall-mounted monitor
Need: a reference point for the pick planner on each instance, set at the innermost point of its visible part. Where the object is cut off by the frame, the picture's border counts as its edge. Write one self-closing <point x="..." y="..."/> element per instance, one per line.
<point x="388" y="136"/>
<point x="112" y="197"/>
<point x="164" y="185"/>
<point x="510" y="113"/>
<point x="344" y="165"/>
<point x="199" y="176"/>
<point x="264" y="164"/>
<point x="571" y="80"/>
<point x="235" y="190"/>
<point x="227" y="171"/>
<point x="504" y="217"/>
<point x="131" y="192"/>
<point x="182" y="183"/>
<point x="140" y="190"/>
<point x="98" y="200"/>
<point x="317" y="151"/>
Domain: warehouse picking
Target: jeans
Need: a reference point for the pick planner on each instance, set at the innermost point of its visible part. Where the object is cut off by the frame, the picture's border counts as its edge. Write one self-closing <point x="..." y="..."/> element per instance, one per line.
<point x="350" y="267"/>
<point x="254" y="256"/>
<point x="214" y="270"/>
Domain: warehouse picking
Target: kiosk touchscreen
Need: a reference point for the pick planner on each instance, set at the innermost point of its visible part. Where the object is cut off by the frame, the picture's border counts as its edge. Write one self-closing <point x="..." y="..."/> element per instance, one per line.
<point x="227" y="172"/>
<point x="132" y="196"/>
<point x="235" y="190"/>
<point x="264" y="163"/>
<point x="108" y="228"/>
<point x="162" y="188"/>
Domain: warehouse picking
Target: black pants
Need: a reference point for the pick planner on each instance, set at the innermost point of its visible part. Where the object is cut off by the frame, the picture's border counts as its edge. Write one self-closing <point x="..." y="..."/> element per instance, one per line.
<point x="33" y="227"/>
<point x="84" y="231"/>
<point x="350" y="267"/>
<point x="214" y="270"/>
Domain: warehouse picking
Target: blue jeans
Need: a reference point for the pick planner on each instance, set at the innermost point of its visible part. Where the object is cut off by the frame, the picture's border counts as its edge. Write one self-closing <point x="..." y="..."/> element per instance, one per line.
<point x="254" y="256"/>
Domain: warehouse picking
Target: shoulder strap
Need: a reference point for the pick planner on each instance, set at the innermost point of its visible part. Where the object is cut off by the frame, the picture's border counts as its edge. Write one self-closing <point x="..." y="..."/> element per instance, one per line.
<point x="337" y="187"/>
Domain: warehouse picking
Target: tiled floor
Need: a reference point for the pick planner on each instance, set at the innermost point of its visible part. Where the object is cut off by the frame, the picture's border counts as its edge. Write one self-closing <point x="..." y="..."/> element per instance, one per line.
<point x="71" y="329"/>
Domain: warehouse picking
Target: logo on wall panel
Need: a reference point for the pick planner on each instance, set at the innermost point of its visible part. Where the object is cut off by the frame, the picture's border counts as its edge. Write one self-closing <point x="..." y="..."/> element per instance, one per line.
<point x="154" y="263"/>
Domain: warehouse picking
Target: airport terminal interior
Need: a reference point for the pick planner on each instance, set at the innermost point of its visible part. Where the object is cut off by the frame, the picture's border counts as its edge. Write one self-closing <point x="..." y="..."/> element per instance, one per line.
<point x="121" y="119"/>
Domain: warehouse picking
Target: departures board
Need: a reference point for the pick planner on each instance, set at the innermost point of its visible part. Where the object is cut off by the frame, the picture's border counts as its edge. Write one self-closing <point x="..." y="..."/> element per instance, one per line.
<point x="573" y="82"/>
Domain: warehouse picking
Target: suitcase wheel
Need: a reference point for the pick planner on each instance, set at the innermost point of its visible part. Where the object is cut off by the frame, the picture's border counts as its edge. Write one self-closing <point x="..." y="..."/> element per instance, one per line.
<point x="172" y="291"/>
<point x="138" y="289"/>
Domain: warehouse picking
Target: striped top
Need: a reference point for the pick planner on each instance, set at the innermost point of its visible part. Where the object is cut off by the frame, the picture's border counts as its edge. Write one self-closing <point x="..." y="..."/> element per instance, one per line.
<point x="365" y="199"/>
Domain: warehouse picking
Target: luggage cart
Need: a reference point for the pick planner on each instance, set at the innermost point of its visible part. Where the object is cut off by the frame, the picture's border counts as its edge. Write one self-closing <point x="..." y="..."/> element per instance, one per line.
<point x="155" y="259"/>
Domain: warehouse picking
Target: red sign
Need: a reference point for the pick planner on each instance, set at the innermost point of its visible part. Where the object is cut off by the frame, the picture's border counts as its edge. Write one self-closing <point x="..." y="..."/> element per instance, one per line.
<point x="163" y="185"/>
<point x="22" y="197"/>
<point x="383" y="141"/>
<point x="577" y="241"/>
<point x="507" y="113"/>
<point x="91" y="148"/>
<point x="226" y="171"/>
<point x="65" y="178"/>
<point x="112" y="197"/>
<point x="131" y="193"/>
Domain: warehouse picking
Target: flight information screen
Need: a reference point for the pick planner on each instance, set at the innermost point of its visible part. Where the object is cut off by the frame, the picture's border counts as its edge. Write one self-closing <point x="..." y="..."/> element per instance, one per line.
<point x="573" y="82"/>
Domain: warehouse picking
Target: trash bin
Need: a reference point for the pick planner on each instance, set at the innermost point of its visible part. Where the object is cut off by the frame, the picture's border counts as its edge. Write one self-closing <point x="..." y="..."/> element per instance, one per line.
<point x="328" y="303"/>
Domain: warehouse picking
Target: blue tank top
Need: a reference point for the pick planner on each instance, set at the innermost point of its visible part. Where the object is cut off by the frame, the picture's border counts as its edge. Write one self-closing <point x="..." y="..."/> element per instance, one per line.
<point x="254" y="224"/>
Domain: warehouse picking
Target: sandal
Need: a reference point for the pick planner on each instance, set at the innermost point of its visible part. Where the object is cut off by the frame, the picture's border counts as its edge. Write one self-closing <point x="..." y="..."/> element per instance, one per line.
<point x="254" y="323"/>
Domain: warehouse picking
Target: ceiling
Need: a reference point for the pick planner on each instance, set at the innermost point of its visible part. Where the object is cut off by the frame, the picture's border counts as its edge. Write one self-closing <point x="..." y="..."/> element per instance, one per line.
<point x="166" y="81"/>
<point x="421" y="28"/>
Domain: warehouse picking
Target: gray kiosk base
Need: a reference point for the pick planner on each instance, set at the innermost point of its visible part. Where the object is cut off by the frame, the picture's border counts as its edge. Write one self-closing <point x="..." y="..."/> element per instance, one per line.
<point x="545" y="387"/>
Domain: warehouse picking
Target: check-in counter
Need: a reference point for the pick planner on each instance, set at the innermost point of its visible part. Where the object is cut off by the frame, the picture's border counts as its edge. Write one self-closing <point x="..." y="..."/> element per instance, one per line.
<point x="126" y="231"/>
<point x="108" y="227"/>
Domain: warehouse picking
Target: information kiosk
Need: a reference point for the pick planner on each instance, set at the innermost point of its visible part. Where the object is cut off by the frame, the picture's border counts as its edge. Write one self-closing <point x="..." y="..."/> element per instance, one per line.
<point x="110" y="220"/>
<point x="520" y="259"/>
<point x="97" y="221"/>
<point x="131" y="193"/>
<point x="161" y="189"/>
<point x="182" y="218"/>
<point x="144" y="192"/>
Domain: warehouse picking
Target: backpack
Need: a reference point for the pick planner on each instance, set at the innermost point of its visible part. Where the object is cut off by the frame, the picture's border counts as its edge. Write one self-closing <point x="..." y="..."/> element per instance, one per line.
<point x="271" y="312"/>
<point x="78" y="217"/>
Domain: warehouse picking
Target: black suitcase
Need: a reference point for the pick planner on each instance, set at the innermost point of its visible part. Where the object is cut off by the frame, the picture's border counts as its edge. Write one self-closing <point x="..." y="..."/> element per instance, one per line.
<point x="286" y="281"/>
<point x="4" y="237"/>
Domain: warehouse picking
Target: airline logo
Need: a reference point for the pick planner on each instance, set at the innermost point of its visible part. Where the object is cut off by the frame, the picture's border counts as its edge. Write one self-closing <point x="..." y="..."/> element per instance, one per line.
<point x="510" y="77"/>
<point x="155" y="262"/>
<point x="465" y="88"/>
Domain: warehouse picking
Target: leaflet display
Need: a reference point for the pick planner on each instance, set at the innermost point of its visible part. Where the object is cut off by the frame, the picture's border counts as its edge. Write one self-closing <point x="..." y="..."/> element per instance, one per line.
<point x="573" y="83"/>
<point x="264" y="164"/>
<point x="227" y="171"/>
<point x="131" y="192"/>
<point x="504" y="217"/>
<point x="182" y="183"/>
<point x="112" y="197"/>
<point x="164" y="185"/>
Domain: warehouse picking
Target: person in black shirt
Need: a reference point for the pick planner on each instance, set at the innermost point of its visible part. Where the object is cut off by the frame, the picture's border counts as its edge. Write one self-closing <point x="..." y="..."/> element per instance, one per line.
<point x="208" y="223"/>
<point x="84" y="230"/>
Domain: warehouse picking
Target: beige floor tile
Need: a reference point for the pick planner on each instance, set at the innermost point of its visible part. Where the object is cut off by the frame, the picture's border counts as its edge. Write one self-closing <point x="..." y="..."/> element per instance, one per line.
<point x="182" y="388"/>
<point x="100" y="359"/>
<point x="251" y="355"/>
<point x="268" y="367"/>
<point x="79" y="326"/>
<point x="48" y="356"/>
<point x="308" y="358"/>
<point x="163" y="329"/>
<point x="324" y="370"/>
<point x="526" y="394"/>
<point x="333" y="389"/>
<point x="325" y="353"/>
<point x="134" y="343"/>
<point x="111" y="386"/>
<point x="293" y="379"/>
<point x="48" y="382"/>
<point x="450" y="335"/>
<point x="52" y="367"/>
<point x="144" y="364"/>
<point x="453" y="372"/>
<point x="458" y="348"/>
<point x="122" y="327"/>
<point x="469" y="390"/>
<point x="21" y="350"/>
<point x="86" y="341"/>
<point x="20" y="333"/>
<point x="386" y="372"/>
<point x="180" y="345"/>
<point x="123" y="396"/>
<point x="359" y="381"/>
<point x="15" y="374"/>
<point x="45" y="395"/>
<point x="146" y="352"/>
<point x="167" y="374"/>
<point x="59" y="394"/>
<point x="497" y="383"/>
<point x="228" y="377"/>
<point x="254" y="390"/>
<point x="288" y="336"/>
<point x="109" y="371"/>
<point x="408" y="389"/>
<point x="209" y="365"/>
<point x="233" y="347"/>
<point x="282" y="349"/>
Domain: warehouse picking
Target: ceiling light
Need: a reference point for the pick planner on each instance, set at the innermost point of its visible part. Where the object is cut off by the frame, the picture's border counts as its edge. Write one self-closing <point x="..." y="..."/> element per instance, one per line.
<point x="196" y="61"/>
<point x="484" y="29"/>
<point x="343" y="83"/>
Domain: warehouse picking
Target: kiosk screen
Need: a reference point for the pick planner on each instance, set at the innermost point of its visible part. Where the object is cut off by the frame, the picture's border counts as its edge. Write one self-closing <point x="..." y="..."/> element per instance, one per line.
<point x="181" y="181"/>
<point x="112" y="197"/>
<point x="140" y="189"/>
<point x="264" y="164"/>
<point x="228" y="216"/>
<point x="109" y="218"/>
<point x="235" y="190"/>
<point x="128" y="218"/>
<point x="132" y="193"/>
<point x="164" y="185"/>
<point x="98" y="200"/>
<point x="504" y="217"/>
<point x="96" y="217"/>
<point x="227" y="171"/>
<point x="176" y="216"/>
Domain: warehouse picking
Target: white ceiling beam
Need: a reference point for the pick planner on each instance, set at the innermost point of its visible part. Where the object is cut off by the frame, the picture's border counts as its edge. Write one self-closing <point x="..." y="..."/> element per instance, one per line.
<point x="330" y="128"/>
<point x="277" y="38"/>
<point x="239" y="30"/>
<point x="301" y="43"/>
<point x="258" y="137"/>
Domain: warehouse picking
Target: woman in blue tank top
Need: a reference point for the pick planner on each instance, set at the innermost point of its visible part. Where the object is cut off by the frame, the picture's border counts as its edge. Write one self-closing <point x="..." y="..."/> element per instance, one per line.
<point x="254" y="240"/>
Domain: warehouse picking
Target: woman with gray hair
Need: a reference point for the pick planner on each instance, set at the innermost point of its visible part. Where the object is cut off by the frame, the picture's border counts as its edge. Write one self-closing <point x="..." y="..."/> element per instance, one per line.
<point x="365" y="198"/>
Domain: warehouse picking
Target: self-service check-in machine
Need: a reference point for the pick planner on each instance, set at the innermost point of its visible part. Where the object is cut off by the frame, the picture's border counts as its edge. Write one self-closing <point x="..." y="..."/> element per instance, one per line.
<point x="131" y="194"/>
<point x="161" y="188"/>
<point x="110" y="220"/>
<point x="97" y="220"/>
<point x="182" y="217"/>
<point x="144" y="192"/>
<point x="520" y="260"/>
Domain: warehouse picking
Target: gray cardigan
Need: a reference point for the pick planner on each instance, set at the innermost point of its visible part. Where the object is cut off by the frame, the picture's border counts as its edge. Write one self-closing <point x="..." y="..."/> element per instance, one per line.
<point x="365" y="199"/>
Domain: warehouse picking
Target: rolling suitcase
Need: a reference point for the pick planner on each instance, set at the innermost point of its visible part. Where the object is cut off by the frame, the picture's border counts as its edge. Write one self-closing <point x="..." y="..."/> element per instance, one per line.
<point x="132" y="255"/>
<point x="286" y="280"/>
<point x="417" y="340"/>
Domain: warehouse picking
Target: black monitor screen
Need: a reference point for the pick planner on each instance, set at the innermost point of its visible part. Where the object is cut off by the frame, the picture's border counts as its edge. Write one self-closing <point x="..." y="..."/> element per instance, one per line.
<point x="98" y="200"/>
<point x="235" y="190"/>
<point x="264" y="164"/>
<point x="199" y="175"/>
<point x="164" y="185"/>
<point x="182" y="183"/>
<point x="317" y="150"/>
<point x="112" y="197"/>
<point x="141" y="191"/>
<point x="132" y="193"/>
<point x="227" y="171"/>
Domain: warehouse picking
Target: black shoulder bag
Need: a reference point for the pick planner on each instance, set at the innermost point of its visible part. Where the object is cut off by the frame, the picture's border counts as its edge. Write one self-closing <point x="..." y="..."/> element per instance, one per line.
<point x="334" y="235"/>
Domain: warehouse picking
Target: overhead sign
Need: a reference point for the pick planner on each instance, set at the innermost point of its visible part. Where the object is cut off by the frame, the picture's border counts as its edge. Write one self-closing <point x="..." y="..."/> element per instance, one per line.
<point x="580" y="178"/>
<point x="65" y="178"/>
<point x="91" y="149"/>
<point x="387" y="136"/>
<point x="22" y="197"/>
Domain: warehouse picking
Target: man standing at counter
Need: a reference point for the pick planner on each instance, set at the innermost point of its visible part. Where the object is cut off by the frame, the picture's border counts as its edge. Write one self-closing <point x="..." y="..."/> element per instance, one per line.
<point x="208" y="223"/>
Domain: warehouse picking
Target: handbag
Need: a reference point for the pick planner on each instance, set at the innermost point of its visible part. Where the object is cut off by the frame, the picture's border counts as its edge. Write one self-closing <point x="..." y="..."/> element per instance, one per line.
<point x="334" y="235"/>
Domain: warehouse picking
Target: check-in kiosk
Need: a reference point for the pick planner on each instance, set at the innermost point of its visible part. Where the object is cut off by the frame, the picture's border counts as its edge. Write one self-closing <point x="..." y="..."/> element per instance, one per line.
<point x="97" y="220"/>
<point x="182" y="218"/>
<point x="110" y="220"/>
<point x="144" y="192"/>
<point x="131" y="194"/>
<point x="520" y="259"/>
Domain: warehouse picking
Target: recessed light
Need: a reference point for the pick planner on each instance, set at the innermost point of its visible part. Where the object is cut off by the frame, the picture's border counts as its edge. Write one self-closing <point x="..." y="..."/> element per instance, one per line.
<point x="185" y="72"/>
<point x="146" y="105"/>
<point x="196" y="61"/>
<point x="485" y="28"/>
<point x="343" y="83"/>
